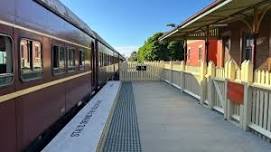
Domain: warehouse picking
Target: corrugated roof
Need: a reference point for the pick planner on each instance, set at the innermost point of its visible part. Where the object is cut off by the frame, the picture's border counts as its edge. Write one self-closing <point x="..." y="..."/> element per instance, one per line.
<point x="218" y="12"/>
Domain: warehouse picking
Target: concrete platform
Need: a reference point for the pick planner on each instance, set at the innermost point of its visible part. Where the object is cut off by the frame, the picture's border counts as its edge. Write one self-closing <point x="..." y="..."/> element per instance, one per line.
<point x="84" y="131"/>
<point x="173" y="122"/>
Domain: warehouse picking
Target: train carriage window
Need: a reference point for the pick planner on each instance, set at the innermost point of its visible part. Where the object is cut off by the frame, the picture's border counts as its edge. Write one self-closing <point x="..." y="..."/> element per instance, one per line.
<point x="6" y="70"/>
<point x="100" y="59"/>
<point x="82" y="59"/>
<point x="31" y="60"/>
<point x="71" y="59"/>
<point x="88" y="56"/>
<point x="103" y="60"/>
<point x="58" y="60"/>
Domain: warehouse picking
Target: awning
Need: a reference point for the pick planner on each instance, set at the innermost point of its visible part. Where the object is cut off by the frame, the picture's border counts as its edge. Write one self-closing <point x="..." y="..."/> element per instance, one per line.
<point x="216" y="14"/>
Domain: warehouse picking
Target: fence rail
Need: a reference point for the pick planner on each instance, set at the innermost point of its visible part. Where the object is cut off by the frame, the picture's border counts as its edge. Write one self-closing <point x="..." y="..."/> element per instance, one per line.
<point x="209" y="84"/>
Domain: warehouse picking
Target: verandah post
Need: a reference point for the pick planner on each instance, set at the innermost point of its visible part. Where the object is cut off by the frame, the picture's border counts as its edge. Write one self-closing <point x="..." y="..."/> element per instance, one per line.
<point x="203" y="70"/>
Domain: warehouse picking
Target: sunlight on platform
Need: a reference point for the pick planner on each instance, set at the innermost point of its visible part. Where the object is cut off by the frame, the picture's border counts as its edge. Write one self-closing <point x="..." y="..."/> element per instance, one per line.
<point x="171" y="121"/>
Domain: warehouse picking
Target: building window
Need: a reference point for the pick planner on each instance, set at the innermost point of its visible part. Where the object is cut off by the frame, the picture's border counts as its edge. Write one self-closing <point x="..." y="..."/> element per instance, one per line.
<point x="59" y="60"/>
<point x="82" y="59"/>
<point x="31" y="60"/>
<point x="248" y="47"/>
<point x="71" y="59"/>
<point x="6" y="70"/>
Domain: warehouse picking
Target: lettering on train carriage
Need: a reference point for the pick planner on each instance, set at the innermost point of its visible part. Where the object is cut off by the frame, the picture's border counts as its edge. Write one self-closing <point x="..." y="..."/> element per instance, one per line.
<point x="235" y="92"/>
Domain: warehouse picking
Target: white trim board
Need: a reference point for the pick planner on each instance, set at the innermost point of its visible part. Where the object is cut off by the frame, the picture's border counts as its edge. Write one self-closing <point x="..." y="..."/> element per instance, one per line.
<point x="83" y="132"/>
<point x="192" y="94"/>
<point x="174" y="85"/>
<point x="185" y="90"/>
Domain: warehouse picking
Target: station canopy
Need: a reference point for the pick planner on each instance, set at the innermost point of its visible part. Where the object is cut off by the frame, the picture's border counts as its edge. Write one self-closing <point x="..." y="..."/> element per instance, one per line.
<point x="212" y="18"/>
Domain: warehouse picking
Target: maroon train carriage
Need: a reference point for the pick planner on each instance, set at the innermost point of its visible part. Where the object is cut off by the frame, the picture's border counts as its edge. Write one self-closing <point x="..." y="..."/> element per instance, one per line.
<point x="50" y="62"/>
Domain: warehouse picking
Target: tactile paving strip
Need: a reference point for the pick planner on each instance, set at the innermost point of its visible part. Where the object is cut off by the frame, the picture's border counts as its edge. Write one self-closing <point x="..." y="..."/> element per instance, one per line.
<point x="123" y="134"/>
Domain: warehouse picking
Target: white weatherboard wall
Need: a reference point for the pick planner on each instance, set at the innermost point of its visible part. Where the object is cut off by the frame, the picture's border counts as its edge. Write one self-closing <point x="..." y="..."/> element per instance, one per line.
<point x="83" y="132"/>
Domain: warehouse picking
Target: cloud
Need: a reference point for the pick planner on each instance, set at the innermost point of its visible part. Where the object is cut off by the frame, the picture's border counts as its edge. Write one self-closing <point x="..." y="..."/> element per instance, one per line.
<point x="126" y="50"/>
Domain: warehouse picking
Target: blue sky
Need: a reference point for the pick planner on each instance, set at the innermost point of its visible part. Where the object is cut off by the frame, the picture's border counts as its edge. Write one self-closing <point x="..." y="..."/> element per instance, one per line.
<point x="126" y="24"/>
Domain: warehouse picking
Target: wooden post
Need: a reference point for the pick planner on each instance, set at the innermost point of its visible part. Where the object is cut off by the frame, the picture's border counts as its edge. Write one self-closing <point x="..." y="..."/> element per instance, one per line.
<point x="247" y="77"/>
<point x="203" y="82"/>
<point x="228" y="106"/>
<point x="211" y="88"/>
<point x="247" y="107"/>
<point x="231" y="75"/>
<point x="182" y="76"/>
<point x="160" y="71"/>
<point x="231" y="70"/>
<point x="171" y="72"/>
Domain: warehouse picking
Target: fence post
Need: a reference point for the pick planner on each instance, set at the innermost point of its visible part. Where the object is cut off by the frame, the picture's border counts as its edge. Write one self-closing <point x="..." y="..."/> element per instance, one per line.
<point x="247" y="106"/>
<point x="182" y="76"/>
<point x="247" y="77"/>
<point x="161" y="70"/>
<point x="231" y="70"/>
<point x="203" y="82"/>
<point x="230" y="75"/>
<point x="171" y="72"/>
<point x="211" y="88"/>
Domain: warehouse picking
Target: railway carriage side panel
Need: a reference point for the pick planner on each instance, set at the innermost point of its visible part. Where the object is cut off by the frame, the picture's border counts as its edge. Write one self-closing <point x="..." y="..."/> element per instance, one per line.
<point x="34" y="32"/>
<point x="8" y="126"/>
<point x="8" y="72"/>
<point x="37" y="111"/>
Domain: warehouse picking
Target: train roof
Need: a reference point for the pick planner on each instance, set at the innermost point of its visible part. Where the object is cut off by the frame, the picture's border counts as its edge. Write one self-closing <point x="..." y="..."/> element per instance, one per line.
<point x="100" y="39"/>
<point x="64" y="12"/>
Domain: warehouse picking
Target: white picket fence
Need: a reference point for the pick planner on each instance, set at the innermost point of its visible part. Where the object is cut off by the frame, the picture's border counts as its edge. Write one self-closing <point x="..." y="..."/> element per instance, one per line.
<point x="208" y="84"/>
<point x="128" y="72"/>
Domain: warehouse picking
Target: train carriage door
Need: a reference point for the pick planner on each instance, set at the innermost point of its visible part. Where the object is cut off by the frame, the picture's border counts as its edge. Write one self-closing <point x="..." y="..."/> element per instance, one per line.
<point x="93" y="67"/>
<point x="94" y="63"/>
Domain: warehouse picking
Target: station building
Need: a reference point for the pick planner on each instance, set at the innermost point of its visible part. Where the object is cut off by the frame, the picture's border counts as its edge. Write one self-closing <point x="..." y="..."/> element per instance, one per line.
<point x="240" y="29"/>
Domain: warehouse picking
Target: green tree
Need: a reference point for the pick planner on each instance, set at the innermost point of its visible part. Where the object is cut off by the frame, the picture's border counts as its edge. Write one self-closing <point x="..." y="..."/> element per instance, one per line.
<point x="133" y="56"/>
<point x="176" y="50"/>
<point x="154" y="50"/>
